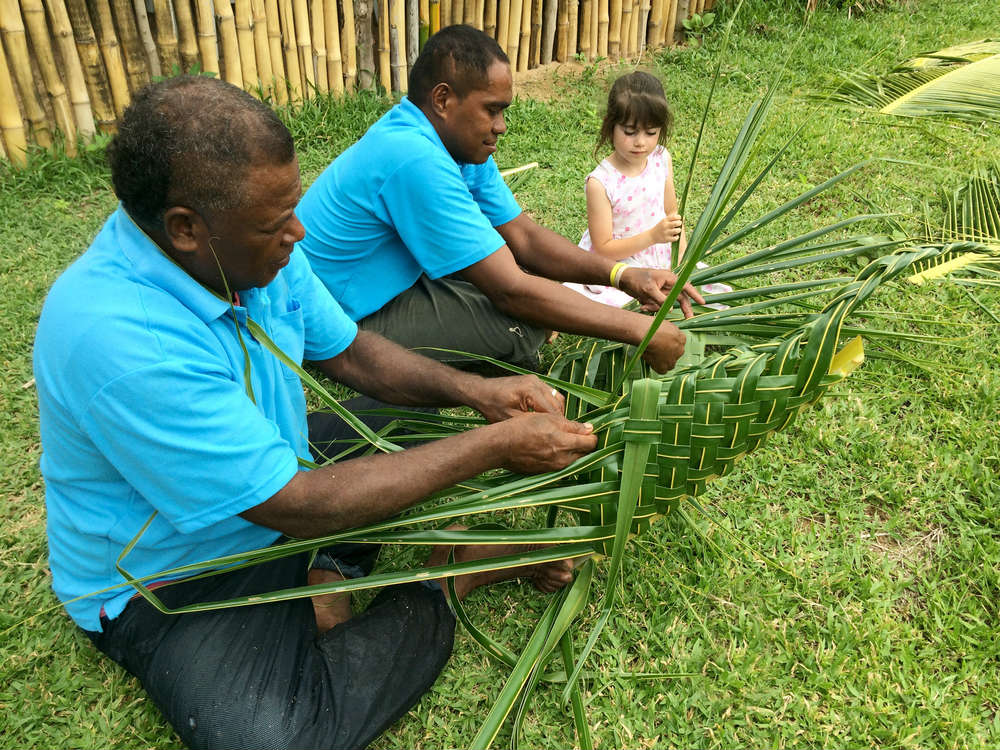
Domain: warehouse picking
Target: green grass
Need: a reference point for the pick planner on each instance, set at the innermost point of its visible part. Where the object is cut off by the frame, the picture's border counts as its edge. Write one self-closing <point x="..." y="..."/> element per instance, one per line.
<point x="840" y="588"/>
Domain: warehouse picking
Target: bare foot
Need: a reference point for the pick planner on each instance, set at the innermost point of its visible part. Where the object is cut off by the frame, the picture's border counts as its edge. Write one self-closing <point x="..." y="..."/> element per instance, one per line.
<point x="330" y="609"/>
<point x="546" y="577"/>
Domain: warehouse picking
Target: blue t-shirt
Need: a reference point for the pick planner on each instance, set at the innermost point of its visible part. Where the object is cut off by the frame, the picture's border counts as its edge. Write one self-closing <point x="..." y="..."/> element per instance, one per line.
<point x="395" y="205"/>
<point x="144" y="408"/>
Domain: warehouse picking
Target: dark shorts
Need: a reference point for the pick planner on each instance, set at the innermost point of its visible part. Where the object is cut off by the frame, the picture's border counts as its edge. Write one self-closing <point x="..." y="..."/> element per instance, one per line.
<point x="260" y="677"/>
<point x="449" y="313"/>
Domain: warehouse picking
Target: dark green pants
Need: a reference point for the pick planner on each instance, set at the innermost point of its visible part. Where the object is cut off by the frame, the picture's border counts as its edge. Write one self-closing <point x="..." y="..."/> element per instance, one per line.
<point x="449" y="313"/>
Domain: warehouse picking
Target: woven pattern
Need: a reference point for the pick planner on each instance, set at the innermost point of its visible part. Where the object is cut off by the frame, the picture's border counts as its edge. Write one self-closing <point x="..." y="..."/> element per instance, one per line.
<point x="709" y="416"/>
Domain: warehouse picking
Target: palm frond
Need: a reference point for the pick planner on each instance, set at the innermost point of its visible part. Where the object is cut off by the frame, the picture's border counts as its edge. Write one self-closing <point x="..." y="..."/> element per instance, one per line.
<point x="960" y="82"/>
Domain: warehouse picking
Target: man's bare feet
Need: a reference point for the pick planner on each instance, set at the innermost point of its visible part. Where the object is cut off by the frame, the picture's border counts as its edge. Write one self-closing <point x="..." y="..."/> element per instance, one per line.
<point x="330" y="609"/>
<point x="546" y="577"/>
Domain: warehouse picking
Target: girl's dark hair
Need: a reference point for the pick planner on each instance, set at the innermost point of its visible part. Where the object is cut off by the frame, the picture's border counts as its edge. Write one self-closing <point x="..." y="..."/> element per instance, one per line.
<point x="636" y="98"/>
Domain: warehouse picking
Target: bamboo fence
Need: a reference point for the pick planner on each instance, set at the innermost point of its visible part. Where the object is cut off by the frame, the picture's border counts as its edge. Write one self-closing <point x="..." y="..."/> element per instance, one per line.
<point x="69" y="67"/>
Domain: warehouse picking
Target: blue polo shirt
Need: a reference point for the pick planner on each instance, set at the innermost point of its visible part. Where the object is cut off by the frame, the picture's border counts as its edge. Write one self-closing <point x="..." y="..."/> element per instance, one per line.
<point x="144" y="408"/>
<point x="395" y="205"/>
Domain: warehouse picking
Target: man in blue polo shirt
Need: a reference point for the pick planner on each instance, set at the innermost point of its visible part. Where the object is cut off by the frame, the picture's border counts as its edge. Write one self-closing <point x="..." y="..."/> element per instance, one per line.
<point x="415" y="233"/>
<point x="166" y="424"/>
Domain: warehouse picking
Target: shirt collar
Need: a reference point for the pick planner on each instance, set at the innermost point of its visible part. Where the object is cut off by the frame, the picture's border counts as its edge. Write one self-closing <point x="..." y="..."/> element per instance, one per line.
<point x="158" y="269"/>
<point x="409" y="112"/>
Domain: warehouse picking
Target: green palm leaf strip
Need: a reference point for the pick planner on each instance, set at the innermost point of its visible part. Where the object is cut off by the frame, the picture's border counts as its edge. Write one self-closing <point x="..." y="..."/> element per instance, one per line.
<point x="555" y="621"/>
<point x="641" y="431"/>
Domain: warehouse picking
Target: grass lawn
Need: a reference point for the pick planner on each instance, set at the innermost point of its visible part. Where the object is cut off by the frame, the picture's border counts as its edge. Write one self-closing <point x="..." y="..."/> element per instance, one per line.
<point x="842" y="590"/>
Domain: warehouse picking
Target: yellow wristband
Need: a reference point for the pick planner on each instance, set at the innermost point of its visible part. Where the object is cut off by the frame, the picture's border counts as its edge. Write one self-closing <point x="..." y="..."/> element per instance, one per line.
<point x="616" y="273"/>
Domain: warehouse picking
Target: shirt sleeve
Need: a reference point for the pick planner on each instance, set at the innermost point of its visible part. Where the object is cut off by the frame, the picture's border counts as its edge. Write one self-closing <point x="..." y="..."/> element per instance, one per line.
<point x="183" y="434"/>
<point x="491" y="192"/>
<point x="328" y="329"/>
<point x="436" y="216"/>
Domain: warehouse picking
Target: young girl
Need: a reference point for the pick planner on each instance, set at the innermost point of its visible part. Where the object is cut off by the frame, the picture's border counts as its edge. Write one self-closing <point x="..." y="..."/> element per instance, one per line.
<point x="631" y="202"/>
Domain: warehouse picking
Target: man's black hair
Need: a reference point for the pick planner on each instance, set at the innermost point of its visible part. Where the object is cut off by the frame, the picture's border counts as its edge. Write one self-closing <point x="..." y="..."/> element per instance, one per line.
<point x="189" y="141"/>
<point x="460" y="56"/>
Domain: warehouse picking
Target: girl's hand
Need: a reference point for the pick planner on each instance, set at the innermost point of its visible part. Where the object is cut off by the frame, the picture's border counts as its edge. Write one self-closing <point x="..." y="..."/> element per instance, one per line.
<point x="668" y="230"/>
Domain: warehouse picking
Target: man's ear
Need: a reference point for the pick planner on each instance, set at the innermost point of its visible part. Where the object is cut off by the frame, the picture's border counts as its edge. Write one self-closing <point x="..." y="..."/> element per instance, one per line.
<point x="440" y="98"/>
<point x="185" y="229"/>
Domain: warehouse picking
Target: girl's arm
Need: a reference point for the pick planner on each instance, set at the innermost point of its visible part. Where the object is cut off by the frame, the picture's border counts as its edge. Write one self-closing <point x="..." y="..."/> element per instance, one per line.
<point x="599" y="222"/>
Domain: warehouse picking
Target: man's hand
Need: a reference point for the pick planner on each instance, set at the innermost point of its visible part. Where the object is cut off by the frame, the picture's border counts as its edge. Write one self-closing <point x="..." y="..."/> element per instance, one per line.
<point x="665" y="348"/>
<point x="545" y="442"/>
<point x="651" y="285"/>
<point x="502" y="398"/>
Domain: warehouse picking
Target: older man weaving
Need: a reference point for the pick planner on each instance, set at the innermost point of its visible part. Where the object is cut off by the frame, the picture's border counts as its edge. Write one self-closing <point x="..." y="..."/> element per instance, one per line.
<point x="160" y="407"/>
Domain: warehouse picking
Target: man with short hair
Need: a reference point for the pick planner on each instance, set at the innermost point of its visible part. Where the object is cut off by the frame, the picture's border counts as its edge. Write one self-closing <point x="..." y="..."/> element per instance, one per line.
<point x="415" y="233"/>
<point x="169" y="429"/>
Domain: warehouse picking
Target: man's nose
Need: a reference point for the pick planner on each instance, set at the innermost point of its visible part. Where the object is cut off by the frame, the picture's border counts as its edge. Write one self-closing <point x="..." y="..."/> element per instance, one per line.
<point x="294" y="231"/>
<point x="499" y="125"/>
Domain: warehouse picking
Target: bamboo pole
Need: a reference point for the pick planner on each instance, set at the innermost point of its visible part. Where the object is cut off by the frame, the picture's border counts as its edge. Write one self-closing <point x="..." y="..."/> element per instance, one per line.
<point x="503" y="24"/>
<point x="111" y="53"/>
<point x="524" y="43"/>
<point x="293" y="72"/>
<point x="146" y="36"/>
<point x="536" y="33"/>
<point x="334" y="60"/>
<point x="615" y="31"/>
<point x="187" y="44"/>
<point x="348" y="42"/>
<point x="667" y="35"/>
<point x="490" y="18"/>
<point x="603" y="19"/>
<point x="412" y="11"/>
<point x="94" y="74"/>
<point x="303" y="41"/>
<point x="11" y="124"/>
<point x="38" y="30"/>
<point x="136" y="66"/>
<point x="592" y="31"/>
<point x="166" y="40"/>
<point x="457" y="11"/>
<point x="275" y="52"/>
<point x="384" y="63"/>
<point x="434" y="17"/>
<point x="76" y="85"/>
<point x="655" y="23"/>
<point x="207" y="44"/>
<point x="586" y="12"/>
<point x="562" y="31"/>
<point x="397" y="45"/>
<point x="366" y="44"/>
<point x="549" y="29"/>
<point x="476" y="20"/>
<point x="513" y="38"/>
<point x="645" y="9"/>
<point x="683" y="7"/>
<point x="446" y="13"/>
<point x="424" y="10"/>
<point x="633" y="28"/>
<point x="20" y="63"/>
<point x="574" y="26"/>
<point x="397" y="18"/>
<point x="230" y="46"/>
<point x="261" y="46"/>
<point x="625" y="38"/>
<point x="319" y="56"/>
<point x="243" y="23"/>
